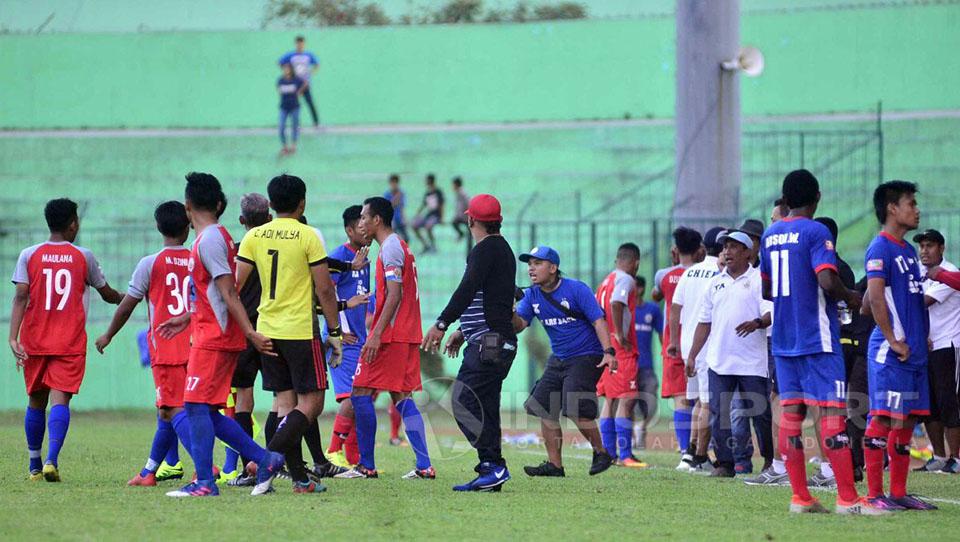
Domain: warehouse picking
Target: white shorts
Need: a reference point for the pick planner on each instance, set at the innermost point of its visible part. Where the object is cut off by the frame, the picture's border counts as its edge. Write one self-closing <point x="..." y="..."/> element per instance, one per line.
<point x="698" y="387"/>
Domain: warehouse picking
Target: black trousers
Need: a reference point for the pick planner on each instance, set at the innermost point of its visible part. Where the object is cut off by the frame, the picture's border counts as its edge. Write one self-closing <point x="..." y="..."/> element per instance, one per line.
<point x="313" y="110"/>
<point x="858" y="400"/>
<point x="476" y="400"/>
<point x="754" y="392"/>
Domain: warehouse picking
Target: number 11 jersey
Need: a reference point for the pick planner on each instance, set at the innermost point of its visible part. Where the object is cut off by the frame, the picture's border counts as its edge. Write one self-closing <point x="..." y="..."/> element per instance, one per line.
<point x="792" y="252"/>
<point x="164" y="279"/>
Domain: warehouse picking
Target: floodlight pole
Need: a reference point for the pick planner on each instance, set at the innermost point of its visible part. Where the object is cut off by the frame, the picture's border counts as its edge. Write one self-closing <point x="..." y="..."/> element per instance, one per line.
<point x="707" y="114"/>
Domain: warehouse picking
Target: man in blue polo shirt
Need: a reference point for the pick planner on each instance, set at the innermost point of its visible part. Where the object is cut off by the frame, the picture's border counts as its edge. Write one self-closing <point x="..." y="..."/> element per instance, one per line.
<point x="580" y="342"/>
<point x="304" y="65"/>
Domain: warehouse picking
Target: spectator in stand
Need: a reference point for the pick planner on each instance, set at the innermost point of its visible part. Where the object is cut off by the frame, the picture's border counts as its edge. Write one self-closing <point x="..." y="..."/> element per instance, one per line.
<point x="289" y="86"/>
<point x="463" y="201"/>
<point x="304" y="65"/>
<point x="433" y="205"/>
<point x="398" y="200"/>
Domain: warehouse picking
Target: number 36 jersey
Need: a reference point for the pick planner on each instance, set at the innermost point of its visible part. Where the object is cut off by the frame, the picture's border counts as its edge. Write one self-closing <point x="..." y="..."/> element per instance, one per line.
<point x="164" y="279"/>
<point x="792" y="252"/>
<point x="895" y="261"/>
<point x="58" y="275"/>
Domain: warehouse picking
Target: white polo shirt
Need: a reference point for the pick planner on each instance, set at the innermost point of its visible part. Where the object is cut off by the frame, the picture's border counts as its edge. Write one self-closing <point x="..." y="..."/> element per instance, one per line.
<point x="690" y="289"/>
<point x="945" y="313"/>
<point x="727" y="303"/>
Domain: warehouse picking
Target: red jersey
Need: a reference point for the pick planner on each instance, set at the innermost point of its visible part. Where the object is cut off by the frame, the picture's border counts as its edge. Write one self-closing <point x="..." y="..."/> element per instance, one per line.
<point x="58" y="275"/>
<point x="395" y="263"/>
<point x="164" y="280"/>
<point x="213" y="255"/>
<point x="620" y="287"/>
<point x="667" y="285"/>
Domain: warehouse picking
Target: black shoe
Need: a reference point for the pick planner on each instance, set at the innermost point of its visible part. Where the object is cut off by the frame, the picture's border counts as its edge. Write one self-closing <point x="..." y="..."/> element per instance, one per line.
<point x="545" y="469"/>
<point x="601" y="462"/>
<point x="327" y="470"/>
<point x="723" y="471"/>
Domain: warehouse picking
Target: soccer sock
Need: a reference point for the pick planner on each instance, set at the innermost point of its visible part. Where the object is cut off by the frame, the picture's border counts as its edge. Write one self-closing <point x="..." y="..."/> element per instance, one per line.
<point x="351" y="450"/>
<point x="779" y="467"/>
<point x="270" y="427"/>
<point x="287" y="441"/>
<point x="366" y="420"/>
<point x="173" y="452"/>
<point x="416" y="432"/>
<point x="608" y="435"/>
<point x="836" y="446"/>
<point x="624" y="431"/>
<point x="681" y="427"/>
<point x="230" y="432"/>
<point x="230" y="462"/>
<point x="201" y="439"/>
<point x="161" y="443"/>
<point x="342" y="427"/>
<point x="312" y="437"/>
<point x="57" y="426"/>
<point x="34" y="422"/>
<point x="245" y="421"/>
<point x="874" y="446"/>
<point x="898" y="448"/>
<point x="791" y="445"/>
<point x="395" y="417"/>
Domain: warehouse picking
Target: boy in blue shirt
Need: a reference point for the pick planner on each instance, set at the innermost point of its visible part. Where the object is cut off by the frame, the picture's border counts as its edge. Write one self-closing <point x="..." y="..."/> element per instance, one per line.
<point x="648" y="320"/>
<point x="581" y="349"/>
<point x="290" y="87"/>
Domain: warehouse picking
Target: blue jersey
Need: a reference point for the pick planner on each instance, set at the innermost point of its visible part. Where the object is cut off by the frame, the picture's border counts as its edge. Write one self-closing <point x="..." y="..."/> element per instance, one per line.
<point x="398" y="200"/>
<point x="302" y="63"/>
<point x="569" y="337"/>
<point x="897" y="264"/>
<point x="349" y="284"/>
<point x="792" y="252"/>
<point x="289" y="99"/>
<point x="648" y="319"/>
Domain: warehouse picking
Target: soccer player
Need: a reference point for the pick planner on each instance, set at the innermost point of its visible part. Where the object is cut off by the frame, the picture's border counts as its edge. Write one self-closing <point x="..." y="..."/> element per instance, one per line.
<point x="163" y="279"/>
<point x="218" y="324"/>
<point x="354" y="322"/>
<point x="47" y="329"/>
<point x="687" y="243"/>
<point x="647" y="320"/>
<point x="799" y="267"/>
<point x="618" y="386"/>
<point x="897" y="354"/>
<point x="292" y="264"/>
<point x="390" y="359"/>
<point x="580" y="344"/>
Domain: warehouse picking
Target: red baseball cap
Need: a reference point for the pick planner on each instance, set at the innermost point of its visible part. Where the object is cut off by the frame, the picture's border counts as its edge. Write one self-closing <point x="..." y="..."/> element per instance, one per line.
<point x="485" y="208"/>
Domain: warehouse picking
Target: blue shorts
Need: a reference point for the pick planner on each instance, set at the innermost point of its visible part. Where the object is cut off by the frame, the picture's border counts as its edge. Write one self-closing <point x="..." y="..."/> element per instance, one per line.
<point x="814" y="379"/>
<point x="897" y="392"/>
<point x="342" y="375"/>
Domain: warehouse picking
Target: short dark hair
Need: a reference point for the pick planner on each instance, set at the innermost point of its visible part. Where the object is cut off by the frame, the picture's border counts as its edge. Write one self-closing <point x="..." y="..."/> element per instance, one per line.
<point x="890" y="192"/>
<point x="458" y="182"/>
<point x="431" y="178"/>
<point x="299" y="38"/>
<point x="204" y="192"/>
<point x="492" y="228"/>
<point x="381" y="207"/>
<point x="800" y="189"/>
<point x="351" y="215"/>
<point x="631" y="248"/>
<point x="831" y="225"/>
<point x="687" y="240"/>
<point x="641" y="282"/>
<point x="60" y="213"/>
<point x="781" y="204"/>
<point x="286" y="192"/>
<point x="394" y="178"/>
<point x="171" y="217"/>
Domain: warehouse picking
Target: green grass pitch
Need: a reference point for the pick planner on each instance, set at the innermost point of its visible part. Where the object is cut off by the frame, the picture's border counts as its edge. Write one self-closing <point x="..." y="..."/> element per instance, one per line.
<point x="103" y="450"/>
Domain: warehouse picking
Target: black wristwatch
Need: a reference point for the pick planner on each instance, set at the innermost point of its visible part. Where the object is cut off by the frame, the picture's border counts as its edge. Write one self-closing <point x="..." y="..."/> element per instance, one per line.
<point x="335" y="332"/>
<point x="610" y="351"/>
<point x="441" y="325"/>
<point x="759" y="322"/>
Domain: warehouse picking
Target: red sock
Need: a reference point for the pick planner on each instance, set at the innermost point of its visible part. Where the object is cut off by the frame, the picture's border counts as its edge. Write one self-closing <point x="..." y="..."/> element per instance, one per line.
<point x="791" y="446"/>
<point x="351" y="449"/>
<point x="898" y="448"/>
<point x="394" y="421"/>
<point x="342" y="427"/>
<point x="874" y="446"/>
<point x="836" y="444"/>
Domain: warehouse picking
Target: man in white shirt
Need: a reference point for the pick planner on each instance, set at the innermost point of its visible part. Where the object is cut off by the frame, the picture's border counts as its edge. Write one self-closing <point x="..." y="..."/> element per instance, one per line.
<point x="731" y="310"/>
<point x="683" y="315"/>
<point x="943" y="305"/>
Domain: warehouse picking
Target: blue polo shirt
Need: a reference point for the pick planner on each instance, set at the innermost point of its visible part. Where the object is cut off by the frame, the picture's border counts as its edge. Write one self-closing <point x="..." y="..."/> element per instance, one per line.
<point x="648" y="320"/>
<point x="569" y="337"/>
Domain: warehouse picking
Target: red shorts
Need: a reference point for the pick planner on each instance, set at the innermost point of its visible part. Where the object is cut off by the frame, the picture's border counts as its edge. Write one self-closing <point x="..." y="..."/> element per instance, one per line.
<point x="623" y="383"/>
<point x="674" y="378"/>
<point x="396" y="368"/>
<point x="169" y="381"/>
<point x="61" y="373"/>
<point x="209" y="373"/>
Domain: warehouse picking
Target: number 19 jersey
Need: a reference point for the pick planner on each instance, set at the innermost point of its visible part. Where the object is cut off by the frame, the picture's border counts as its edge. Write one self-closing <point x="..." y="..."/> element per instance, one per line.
<point x="164" y="279"/>
<point x="792" y="252"/>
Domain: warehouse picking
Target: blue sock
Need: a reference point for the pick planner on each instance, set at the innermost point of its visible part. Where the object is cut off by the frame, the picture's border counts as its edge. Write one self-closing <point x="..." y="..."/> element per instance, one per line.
<point x="681" y="427"/>
<point x="201" y="439"/>
<point x="230" y="432"/>
<point x="608" y="434"/>
<point x="181" y="425"/>
<point x="416" y="433"/>
<point x="161" y="443"/>
<point x="57" y="425"/>
<point x="366" y="420"/>
<point x="173" y="452"/>
<point x="230" y="463"/>
<point x="624" y="430"/>
<point x="34" y="422"/>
